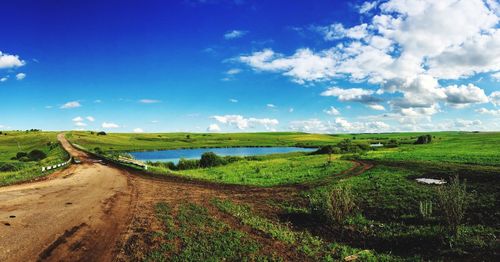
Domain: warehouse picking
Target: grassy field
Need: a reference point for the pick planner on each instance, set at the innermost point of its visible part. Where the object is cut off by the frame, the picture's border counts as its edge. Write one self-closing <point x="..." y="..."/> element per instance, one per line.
<point x="271" y="170"/>
<point x="151" y="141"/>
<point x="13" y="142"/>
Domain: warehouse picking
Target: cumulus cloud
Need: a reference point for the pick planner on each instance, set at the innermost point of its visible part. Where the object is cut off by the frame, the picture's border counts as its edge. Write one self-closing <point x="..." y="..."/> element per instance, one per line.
<point x="406" y="48"/>
<point x="271" y="106"/>
<point x="149" y="101"/>
<point x="351" y="94"/>
<point x="332" y="111"/>
<point x="90" y="118"/>
<point x="234" y="34"/>
<point x="243" y="123"/>
<point x="213" y="128"/>
<point x="80" y="124"/>
<point x="465" y="94"/>
<point x="10" y="61"/>
<point x="109" y="125"/>
<point x="488" y="111"/>
<point x="71" y="104"/>
<point x="20" y="76"/>
<point x="232" y="100"/>
<point x="304" y="66"/>
<point x="496" y="76"/>
<point x="233" y="71"/>
<point x="77" y="119"/>
<point x="495" y="98"/>
<point x="339" y="125"/>
<point x="376" y="107"/>
<point x="466" y="124"/>
<point x="4" y="79"/>
<point x="138" y="130"/>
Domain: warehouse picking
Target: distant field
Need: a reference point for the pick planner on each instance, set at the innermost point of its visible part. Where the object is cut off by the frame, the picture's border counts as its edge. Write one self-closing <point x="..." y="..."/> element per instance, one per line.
<point x="152" y="141"/>
<point x="270" y="171"/>
<point x="452" y="147"/>
<point x="13" y="142"/>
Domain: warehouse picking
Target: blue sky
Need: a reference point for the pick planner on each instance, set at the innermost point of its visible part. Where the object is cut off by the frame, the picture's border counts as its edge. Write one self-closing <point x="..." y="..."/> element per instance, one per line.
<point x="241" y="66"/>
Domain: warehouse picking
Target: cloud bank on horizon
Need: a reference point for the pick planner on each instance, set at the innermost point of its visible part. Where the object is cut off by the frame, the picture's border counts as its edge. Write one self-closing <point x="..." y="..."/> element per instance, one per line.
<point x="395" y="65"/>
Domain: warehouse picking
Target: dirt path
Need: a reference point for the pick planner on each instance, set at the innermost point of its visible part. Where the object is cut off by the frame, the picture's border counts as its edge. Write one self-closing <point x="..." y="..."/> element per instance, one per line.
<point x="76" y="214"/>
<point x="95" y="212"/>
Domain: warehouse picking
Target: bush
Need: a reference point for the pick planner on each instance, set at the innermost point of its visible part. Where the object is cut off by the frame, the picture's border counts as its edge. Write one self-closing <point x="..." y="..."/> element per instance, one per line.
<point x="21" y="154"/>
<point x="392" y="143"/>
<point x="453" y="200"/>
<point x="188" y="164"/>
<point x="424" y="139"/>
<point x="36" y="155"/>
<point x="335" y="205"/>
<point x="8" y="167"/>
<point x="102" y="133"/>
<point x="210" y="159"/>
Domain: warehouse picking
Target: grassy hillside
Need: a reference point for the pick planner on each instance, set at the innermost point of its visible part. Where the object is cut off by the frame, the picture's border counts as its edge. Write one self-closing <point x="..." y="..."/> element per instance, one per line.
<point x="13" y="142"/>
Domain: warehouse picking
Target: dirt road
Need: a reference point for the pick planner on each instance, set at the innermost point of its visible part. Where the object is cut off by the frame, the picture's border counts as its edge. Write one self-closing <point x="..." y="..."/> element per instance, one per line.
<point x="75" y="214"/>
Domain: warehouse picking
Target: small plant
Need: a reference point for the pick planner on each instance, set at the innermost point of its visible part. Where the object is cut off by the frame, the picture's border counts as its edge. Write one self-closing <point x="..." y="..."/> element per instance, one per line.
<point x="335" y="206"/>
<point x="453" y="201"/>
<point x="425" y="209"/>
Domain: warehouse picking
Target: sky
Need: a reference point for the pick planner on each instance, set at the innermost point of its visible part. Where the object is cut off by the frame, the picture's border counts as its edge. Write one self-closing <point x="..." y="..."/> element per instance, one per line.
<point x="320" y="66"/>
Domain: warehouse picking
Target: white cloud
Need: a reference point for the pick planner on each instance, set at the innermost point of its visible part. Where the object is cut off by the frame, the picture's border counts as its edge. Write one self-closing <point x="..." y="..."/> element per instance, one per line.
<point x="213" y="128"/>
<point x="109" y="125"/>
<point x="233" y="71"/>
<point x="332" y="111"/>
<point x="234" y="34"/>
<point x="467" y="124"/>
<point x="72" y="104"/>
<point x="303" y="66"/>
<point x="149" y="101"/>
<point x="4" y="79"/>
<point x="407" y="48"/>
<point x="496" y="76"/>
<point x="10" y="61"/>
<point x="464" y="95"/>
<point x="97" y="101"/>
<point x="495" y="98"/>
<point x="290" y="110"/>
<point x="271" y="106"/>
<point x="351" y="94"/>
<point x="243" y="123"/>
<point x="232" y="100"/>
<point x="20" y="76"/>
<point x="376" y="107"/>
<point x="90" y="118"/>
<point x="339" y="125"/>
<point x="81" y="124"/>
<point x="488" y="111"/>
<point x="138" y="130"/>
<point x="77" y="119"/>
<point x="367" y="7"/>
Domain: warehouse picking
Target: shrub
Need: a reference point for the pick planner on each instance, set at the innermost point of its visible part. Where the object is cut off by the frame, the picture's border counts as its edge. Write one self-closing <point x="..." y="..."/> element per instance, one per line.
<point x="101" y="133"/>
<point x="424" y="139"/>
<point x="188" y="164"/>
<point x="21" y="154"/>
<point x="335" y="205"/>
<point x="36" y="155"/>
<point x="425" y="209"/>
<point x="210" y="159"/>
<point x="392" y="143"/>
<point x="98" y="151"/>
<point x="453" y="200"/>
<point x="8" y="167"/>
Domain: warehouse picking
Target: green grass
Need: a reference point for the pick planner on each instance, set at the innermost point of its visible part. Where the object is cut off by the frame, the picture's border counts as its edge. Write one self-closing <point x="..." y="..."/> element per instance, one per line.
<point x="271" y="170"/>
<point x="449" y="147"/>
<point x="13" y="142"/>
<point x="194" y="235"/>
<point x="303" y="242"/>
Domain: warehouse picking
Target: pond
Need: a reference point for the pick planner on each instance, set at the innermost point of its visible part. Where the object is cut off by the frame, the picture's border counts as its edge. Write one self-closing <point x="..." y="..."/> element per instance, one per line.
<point x="176" y="154"/>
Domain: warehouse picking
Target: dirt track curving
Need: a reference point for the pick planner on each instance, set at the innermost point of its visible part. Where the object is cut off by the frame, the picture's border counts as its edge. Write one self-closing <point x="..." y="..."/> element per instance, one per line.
<point x="95" y="212"/>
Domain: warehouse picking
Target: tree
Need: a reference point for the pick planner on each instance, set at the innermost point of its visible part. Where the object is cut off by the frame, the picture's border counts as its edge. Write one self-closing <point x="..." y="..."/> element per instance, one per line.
<point x="209" y="159"/>
<point x="424" y="139"/>
<point x="36" y="155"/>
<point x="101" y="133"/>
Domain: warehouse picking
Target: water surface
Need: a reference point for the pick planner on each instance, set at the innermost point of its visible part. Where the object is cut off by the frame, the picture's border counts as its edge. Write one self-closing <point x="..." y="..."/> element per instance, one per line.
<point x="176" y="154"/>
